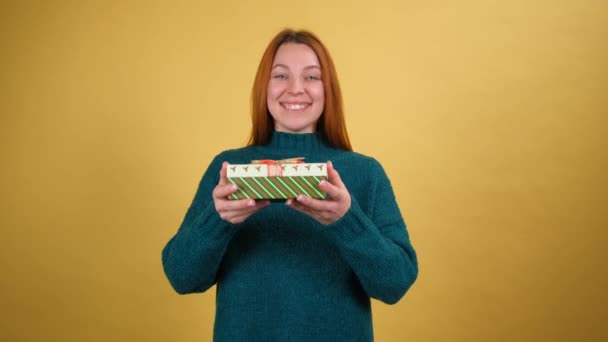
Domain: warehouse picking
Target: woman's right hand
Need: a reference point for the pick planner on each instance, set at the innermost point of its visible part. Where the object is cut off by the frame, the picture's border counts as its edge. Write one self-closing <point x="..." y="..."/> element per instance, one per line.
<point x="233" y="211"/>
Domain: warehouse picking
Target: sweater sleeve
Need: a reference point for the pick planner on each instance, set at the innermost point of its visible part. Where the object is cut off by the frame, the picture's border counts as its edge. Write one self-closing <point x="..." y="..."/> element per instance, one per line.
<point x="192" y="257"/>
<point x="377" y="246"/>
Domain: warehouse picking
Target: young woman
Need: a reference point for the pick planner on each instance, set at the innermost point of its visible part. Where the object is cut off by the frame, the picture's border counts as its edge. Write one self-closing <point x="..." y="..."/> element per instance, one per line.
<point x="303" y="269"/>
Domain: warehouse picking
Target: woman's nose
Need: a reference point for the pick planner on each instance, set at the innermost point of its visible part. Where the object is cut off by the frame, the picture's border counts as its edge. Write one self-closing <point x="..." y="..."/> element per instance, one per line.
<point x="296" y="86"/>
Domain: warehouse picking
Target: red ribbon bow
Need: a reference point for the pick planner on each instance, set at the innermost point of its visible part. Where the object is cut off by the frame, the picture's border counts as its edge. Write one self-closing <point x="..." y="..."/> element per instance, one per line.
<point x="298" y="160"/>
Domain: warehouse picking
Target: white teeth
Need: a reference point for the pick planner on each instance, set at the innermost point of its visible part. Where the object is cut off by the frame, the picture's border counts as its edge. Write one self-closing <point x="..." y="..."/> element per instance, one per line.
<point x="295" y="106"/>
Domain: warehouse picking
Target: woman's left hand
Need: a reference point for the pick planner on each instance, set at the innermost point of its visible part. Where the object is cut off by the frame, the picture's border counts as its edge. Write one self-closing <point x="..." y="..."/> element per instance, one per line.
<point x="330" y="209"/>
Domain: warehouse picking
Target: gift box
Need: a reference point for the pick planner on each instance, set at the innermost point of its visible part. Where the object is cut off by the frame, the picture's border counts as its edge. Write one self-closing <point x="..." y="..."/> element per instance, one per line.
<point x="277" y="179"/>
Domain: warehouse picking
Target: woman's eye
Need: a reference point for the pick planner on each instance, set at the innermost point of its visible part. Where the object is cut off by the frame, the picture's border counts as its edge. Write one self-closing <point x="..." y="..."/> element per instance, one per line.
<point x="280" y="76"/>
<point x="312" y="78"/>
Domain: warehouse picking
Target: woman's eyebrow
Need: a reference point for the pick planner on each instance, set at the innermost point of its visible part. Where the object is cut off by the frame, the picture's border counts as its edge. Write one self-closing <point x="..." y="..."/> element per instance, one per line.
<point x="286" y="67"/>
<point x="313" y="67"/>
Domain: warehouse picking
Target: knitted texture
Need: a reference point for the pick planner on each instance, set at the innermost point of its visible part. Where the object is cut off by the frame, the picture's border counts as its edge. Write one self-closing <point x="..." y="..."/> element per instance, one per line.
<point x="283" y="276"/>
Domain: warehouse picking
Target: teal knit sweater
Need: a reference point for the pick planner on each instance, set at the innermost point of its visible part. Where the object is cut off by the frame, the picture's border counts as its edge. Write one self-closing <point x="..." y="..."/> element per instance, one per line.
<point x="283" y="276"/>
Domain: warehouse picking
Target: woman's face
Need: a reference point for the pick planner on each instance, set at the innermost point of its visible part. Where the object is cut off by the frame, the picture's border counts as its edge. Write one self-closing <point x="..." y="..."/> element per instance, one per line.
<point x="295" y="91"/>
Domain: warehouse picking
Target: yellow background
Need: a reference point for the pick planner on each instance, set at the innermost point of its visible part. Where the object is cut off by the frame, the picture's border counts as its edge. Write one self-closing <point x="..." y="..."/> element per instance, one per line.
<point x="489" y="117"/>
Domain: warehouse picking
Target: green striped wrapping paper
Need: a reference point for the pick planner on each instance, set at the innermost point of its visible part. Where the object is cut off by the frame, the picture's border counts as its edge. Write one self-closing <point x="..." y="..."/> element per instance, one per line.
<point x="261" y="181"/>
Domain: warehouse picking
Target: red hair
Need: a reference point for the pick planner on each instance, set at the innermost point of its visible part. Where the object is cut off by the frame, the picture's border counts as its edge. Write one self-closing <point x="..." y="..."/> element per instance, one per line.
<point x="331" y="124"/>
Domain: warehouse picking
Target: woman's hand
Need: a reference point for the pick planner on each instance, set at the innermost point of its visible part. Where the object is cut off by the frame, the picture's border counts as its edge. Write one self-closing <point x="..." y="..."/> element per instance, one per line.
<point x="330" y="209"/>
<point x="233" y="211"/>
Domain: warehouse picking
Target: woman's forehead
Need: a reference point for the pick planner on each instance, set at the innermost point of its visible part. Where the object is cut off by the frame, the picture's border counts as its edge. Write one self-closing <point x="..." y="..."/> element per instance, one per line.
<point x="294" y="53"/>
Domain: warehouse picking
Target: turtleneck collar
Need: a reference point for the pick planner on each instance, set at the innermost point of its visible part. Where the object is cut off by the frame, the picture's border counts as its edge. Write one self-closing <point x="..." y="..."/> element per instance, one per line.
<point x="302" y="142"/>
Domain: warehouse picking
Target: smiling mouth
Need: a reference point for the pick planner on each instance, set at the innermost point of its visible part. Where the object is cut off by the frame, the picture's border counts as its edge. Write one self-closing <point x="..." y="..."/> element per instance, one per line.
<point x="295" y="106"/>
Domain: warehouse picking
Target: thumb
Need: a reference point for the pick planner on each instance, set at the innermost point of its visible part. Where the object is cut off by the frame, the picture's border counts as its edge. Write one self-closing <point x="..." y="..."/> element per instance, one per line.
<point x="224" y="174"/>
<point x="333" y="176"/>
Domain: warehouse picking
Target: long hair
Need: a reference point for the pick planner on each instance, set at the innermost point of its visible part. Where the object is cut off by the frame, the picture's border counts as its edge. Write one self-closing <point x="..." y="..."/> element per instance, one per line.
<point x="331" y="124"/>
